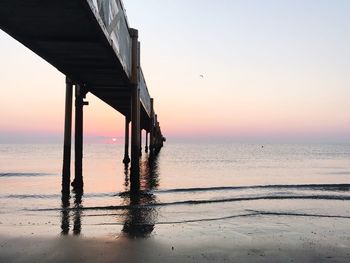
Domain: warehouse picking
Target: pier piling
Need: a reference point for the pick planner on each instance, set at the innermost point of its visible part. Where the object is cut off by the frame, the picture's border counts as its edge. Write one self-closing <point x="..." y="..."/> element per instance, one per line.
<point x="67" y="137"/>
<point x="146" y="144"/>
<point x="135" y="116"/>
<point x="126" y="159"/>
<point x="78" y="142"/>
<point x="151" y="128"/>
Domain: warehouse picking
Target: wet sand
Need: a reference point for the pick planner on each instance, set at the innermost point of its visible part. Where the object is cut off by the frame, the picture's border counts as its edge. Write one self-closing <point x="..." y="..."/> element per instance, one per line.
<point x="253" y="239"/>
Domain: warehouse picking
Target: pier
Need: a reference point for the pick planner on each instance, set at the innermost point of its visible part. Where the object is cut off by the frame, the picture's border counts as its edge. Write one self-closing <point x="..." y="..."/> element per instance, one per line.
<point x="91" y="43"/>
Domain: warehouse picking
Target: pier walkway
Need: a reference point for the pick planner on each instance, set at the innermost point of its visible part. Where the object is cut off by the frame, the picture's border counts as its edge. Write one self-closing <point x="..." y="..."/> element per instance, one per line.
<point x="90" y="42"/>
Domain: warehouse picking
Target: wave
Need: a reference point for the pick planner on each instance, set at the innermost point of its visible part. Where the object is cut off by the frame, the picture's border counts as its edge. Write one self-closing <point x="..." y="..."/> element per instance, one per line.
<point x="23" y="174"/>
<point x="206" y="201"/>
<point x="324" y="187"/>
<point x="319" y="187"/>
<point x="29" y="196"/>
<point x="253" y="213"/>
<point x="54" y="196"/>
<point x="298" y="214"/>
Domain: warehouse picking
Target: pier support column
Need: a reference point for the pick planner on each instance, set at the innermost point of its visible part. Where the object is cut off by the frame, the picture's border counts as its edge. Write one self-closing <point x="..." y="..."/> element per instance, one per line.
<point x="156" y="134"/>
<point x="135" y="116"/>
<point x="135" y="141"/>
<point x="126" y="159"/>
<point x="151" y="128"/>
<point x="67" y="137"/>
<point x="146" y="145"/>
<point x="78" y="143"/>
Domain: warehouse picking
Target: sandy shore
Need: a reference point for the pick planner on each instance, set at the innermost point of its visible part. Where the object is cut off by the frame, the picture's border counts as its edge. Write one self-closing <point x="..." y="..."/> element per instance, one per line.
<point x="73" y="249"/>
<point x="265" y="239"/>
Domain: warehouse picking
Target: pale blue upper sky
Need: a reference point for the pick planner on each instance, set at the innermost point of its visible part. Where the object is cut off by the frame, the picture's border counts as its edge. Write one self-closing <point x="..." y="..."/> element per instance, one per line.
<point x="273" y="70"/>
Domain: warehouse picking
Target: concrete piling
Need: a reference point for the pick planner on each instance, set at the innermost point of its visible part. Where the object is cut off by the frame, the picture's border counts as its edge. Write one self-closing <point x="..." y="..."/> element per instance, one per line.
<point x="78" y="142"/>
<point x="67" y="137"/>
<point x="135" y="116"/>
<point x="126" y="159"/>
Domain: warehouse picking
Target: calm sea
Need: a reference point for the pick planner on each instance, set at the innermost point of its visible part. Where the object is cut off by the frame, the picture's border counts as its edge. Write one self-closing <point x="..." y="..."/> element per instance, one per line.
<point x="185" y="183"/>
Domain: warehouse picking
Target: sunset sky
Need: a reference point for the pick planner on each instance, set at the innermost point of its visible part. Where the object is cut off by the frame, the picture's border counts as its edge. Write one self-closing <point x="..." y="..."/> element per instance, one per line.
<point x="273" y="71"/>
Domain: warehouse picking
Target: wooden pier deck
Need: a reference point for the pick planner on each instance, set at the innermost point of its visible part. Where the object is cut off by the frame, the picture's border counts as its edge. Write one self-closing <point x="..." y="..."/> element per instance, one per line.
<point x="91" y="43"/>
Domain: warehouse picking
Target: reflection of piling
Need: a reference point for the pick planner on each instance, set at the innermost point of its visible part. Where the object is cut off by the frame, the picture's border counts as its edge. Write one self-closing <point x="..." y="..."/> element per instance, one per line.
<point x="77" y="213"/>
<point x="126" y="177"/>
<point x="153" y="176"/>
<point x="141" y="216"/>
<point x="140" y="221"/>
<point x="65" y="213"/>
<point x="67" y="137"/>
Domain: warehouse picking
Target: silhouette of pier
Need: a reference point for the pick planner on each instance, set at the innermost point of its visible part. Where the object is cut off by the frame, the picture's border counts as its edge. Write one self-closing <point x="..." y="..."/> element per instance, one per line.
<point x="91" y="43"/>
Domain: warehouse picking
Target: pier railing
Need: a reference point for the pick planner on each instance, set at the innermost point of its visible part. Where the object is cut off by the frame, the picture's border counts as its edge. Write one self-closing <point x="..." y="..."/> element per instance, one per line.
<point x="112" y="19"/>
<point x="111" y="16"/>
<point x="145" y="98"/>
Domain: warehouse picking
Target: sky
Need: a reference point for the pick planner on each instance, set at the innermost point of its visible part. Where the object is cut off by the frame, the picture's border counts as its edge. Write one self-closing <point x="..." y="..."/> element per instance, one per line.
<point x="273" y="71"/>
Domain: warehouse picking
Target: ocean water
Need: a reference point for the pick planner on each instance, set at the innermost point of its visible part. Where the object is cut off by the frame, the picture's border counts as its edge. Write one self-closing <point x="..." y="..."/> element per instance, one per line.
<point x="185" y="184"/>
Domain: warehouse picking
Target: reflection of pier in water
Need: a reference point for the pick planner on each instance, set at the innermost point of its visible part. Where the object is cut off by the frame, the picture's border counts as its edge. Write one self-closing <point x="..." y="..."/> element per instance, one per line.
<point x="138" y="219"/>
<point x="66" y="214"/>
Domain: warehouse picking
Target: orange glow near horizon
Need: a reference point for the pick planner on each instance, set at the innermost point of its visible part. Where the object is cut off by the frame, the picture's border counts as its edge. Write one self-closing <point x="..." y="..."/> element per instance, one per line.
<point x="101" y="121"/>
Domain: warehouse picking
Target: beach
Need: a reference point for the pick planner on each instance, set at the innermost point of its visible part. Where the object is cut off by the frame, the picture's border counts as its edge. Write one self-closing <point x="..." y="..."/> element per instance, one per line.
<point x="239" y="240"/>
<point x="224" y="203"/>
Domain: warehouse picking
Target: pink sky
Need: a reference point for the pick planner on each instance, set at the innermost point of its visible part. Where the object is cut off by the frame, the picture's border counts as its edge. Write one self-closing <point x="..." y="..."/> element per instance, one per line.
<point x="280" y="74"/>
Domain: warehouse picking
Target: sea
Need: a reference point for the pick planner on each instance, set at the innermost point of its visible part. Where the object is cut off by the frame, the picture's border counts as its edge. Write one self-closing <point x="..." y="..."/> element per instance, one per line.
<point x="186" y="183"/>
